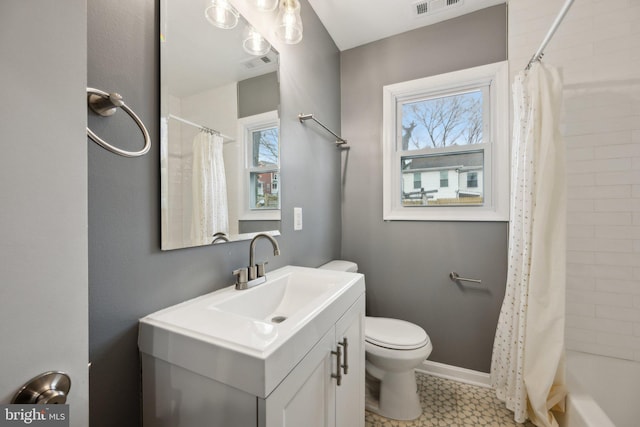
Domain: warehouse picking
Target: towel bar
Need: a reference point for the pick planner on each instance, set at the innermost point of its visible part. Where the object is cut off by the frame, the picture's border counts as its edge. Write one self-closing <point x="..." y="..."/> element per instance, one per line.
<point x="340" y="142"/>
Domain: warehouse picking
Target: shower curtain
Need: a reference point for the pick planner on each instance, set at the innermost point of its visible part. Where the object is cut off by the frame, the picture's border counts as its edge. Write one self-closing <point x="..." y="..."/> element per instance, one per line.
<point x="527" y="366"/>
<point x="209" y="189"/>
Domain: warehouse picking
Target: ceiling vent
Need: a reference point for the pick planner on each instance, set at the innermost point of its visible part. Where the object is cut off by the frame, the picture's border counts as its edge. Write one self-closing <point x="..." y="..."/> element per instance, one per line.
<point x="256" y="62"/>
<point x="428" y="7"/>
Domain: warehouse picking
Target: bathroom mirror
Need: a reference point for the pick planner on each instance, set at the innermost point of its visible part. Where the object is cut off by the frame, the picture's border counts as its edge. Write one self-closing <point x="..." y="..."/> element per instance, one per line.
<point x="220" y="145"/>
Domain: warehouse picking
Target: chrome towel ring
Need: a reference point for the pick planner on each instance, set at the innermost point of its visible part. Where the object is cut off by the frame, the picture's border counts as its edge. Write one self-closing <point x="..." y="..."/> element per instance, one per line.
<point x="105" y="104"/>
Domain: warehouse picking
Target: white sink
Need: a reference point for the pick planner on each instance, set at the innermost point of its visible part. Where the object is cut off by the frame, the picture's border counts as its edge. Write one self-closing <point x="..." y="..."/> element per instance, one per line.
<point x="251" y="339"/>
<point x="283" y="297"/>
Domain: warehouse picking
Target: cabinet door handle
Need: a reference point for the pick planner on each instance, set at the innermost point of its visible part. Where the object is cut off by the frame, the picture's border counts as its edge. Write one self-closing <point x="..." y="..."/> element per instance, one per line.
<point x="345" y="344"/>
<point x="338" y="376"/>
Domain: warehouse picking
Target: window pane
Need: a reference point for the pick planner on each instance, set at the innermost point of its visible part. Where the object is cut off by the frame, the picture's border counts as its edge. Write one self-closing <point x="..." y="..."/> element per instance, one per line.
<point x="265" y="147"/>
<point x="446" y="179"/>
<point x="417" y="180"/>
<point x="472" y="180"/>
<point x="442" y="122"/>
<point x="264" y="190"/>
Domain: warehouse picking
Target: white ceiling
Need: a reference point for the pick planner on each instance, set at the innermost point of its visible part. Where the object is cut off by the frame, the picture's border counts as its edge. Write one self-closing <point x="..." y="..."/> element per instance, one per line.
<point x="353" y="23"/>
<point x="196" y="56"/>
<point x="187" y="53"/>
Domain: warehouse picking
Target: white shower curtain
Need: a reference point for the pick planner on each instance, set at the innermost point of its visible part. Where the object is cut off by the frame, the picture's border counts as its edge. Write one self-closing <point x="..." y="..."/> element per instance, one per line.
<point x="209" y="189"/>
<point x="527" y="367"/>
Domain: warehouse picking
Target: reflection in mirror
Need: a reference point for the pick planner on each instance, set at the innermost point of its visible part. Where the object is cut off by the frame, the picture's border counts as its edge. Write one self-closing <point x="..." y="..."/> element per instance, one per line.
<point x="220" y="133"/>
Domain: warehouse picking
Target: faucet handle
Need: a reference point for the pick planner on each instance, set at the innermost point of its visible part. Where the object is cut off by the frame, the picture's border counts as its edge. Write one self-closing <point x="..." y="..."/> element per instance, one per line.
<point x="241" y="277"/>
<point x="261" y="266"/>
<point x="253" y="272"/>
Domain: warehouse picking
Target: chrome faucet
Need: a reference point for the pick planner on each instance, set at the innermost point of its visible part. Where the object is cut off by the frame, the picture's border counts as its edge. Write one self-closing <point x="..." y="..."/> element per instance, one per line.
<point x="254" y="274"/>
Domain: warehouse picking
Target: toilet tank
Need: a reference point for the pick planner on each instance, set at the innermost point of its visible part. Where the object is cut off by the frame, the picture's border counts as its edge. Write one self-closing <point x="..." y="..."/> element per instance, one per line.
<point x="340" y="265"/>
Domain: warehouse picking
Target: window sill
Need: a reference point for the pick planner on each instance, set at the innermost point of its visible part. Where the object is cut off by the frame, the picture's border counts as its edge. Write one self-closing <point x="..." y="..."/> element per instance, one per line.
<point x="466" y="213"/>
<point x="268" y="215"/>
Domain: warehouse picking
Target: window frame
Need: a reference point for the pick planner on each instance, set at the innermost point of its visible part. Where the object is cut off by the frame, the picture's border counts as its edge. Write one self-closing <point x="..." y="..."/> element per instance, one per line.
<point x="246" y="127"/>
<point x="496" y="171"/>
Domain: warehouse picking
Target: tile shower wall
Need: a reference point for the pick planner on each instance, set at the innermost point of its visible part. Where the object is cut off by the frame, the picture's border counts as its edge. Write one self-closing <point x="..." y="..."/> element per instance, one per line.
<point x="598" y="49"/>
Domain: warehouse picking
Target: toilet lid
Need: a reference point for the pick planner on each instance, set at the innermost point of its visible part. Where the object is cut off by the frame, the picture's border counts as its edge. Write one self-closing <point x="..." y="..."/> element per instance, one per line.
<point x="394" y="333"/>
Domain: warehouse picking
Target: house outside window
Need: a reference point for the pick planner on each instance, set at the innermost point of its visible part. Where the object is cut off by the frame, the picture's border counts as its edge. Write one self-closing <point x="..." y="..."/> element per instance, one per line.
<point x="452" y="131"/>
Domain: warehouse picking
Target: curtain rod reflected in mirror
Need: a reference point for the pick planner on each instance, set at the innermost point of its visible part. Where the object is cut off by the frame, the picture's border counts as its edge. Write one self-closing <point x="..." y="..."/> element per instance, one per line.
<point x="202" y="128"/>
<point x="220" y="134"/>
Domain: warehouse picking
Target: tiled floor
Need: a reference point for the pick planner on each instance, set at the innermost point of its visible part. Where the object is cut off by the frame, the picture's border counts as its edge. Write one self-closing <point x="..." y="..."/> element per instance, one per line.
<point x="452" y="404"/>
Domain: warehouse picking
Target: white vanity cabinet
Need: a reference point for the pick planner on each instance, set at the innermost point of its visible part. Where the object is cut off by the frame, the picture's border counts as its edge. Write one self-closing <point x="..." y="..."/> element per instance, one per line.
<point x="310" y="395"/>
<point x="350" y="394"/>
<point x="220" y="361"/>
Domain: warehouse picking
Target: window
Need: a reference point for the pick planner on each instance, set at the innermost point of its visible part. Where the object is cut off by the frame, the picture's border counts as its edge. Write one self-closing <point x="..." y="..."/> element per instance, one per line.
<point x="472" y="179"/>
<point x="260" y="175"/>
<point x="264" y="167"/>
<point x="449" y="133"/>
<point x="444" y="179"/>
<point x="417" y="180"/>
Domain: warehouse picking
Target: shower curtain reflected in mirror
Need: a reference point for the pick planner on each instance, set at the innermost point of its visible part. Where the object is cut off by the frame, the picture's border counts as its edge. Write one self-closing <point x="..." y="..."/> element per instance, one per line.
<point x="209" y="189"/>
<point x="527" y="367"/>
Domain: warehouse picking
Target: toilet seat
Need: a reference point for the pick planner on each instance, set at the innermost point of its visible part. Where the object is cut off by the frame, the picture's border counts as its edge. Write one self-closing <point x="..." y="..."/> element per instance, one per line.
<point x="394" y="334"/>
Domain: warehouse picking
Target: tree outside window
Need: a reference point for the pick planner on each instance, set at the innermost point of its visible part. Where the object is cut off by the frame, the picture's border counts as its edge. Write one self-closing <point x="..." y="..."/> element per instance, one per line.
<point x="442" y="122"/>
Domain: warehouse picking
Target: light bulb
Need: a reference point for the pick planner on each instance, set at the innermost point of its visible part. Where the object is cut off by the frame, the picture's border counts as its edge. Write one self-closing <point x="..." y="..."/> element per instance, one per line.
<point x="266" y="5"/>
<point x="289" y="24"/>
<point x="221" y="14"/>
<point x="253" y="42"/>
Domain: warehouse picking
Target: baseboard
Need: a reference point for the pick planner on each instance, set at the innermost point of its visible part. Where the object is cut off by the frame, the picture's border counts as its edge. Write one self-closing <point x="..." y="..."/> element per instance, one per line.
<point x="455" y="373"/>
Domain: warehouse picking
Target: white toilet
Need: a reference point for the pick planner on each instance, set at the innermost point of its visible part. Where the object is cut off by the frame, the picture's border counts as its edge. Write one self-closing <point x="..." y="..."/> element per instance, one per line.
<point x="394" y="348"/>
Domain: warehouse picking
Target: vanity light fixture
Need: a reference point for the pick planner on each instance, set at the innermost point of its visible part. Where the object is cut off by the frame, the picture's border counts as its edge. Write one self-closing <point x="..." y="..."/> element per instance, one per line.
<point x="288" y="23"/>
<point x="253" y="42"/>
<point x="221" y="14"/>
<point x="266" y="5"/>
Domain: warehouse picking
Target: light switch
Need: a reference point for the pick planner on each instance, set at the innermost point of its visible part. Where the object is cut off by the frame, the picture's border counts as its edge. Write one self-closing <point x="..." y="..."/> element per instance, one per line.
<point x="297" y="218"/>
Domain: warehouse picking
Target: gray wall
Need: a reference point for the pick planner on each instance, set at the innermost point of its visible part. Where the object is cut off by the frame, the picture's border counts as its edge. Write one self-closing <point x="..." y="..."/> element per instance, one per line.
<point x="129" y="276"/>
<point x="258" y="95"/>
<point x="251" y="226"/>
<point x="407" y="263"/>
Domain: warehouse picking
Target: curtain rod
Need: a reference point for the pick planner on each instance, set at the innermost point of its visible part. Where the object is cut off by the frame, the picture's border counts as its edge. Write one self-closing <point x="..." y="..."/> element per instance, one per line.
<point x="203" y="128"/>
<point x="340" y="141"/>
<point x="540" y="52"/>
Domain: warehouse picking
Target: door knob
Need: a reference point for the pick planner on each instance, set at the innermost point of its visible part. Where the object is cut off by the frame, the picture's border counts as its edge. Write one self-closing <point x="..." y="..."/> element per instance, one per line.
<point x="49" y="388"/>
